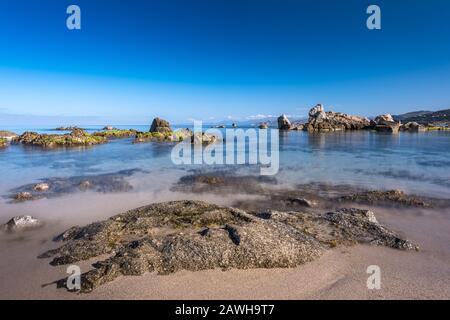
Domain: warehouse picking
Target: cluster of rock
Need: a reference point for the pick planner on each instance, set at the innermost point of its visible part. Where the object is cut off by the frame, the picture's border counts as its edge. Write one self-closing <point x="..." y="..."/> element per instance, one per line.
<point x="285" y="124"/>
<point x="78" y="137"/>
<point x="325" y="121"/>
<point x="70" y="128"/>
<point x="160" y="131"/>
<point x="57" y="187"/>
<point x="321" y="121"/>
<point x="3" y="143"/>
<point x="194" y="235"/>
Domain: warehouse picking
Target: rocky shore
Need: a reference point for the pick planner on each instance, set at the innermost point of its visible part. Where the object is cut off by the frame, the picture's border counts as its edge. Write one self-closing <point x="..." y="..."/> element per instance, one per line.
<point x="326" y="121"/>
<point x="195" y="235"/>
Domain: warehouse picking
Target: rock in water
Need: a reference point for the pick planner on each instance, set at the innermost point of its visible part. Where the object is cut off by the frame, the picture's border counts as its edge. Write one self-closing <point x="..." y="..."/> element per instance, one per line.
<point x="23" y="196"/>
<point x="384" y="117"/>
<point x="321" y="121"/>
<point x="263" y="125"/>
<point x="413" y="127"/>
<point x="7" y="135"/>
<point x="160" y="125"/>
<point x="41" y="187"/>
<point x="194" y="235"/>
<point x="284" y="123"/>
<point x="21" y="223"/>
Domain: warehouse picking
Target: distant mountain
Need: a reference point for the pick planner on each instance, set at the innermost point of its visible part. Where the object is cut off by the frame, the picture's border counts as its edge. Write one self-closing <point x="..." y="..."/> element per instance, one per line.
<point x="425" y="117"/>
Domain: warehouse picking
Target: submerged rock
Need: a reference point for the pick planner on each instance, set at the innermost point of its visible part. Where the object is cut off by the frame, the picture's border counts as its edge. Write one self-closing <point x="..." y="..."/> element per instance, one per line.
<point x="321" y="121"/>
<point x="194" y="235"/>
<point x="21" y="223"/>
<point x="23" y="196"/>
<point x="389" y="197"/>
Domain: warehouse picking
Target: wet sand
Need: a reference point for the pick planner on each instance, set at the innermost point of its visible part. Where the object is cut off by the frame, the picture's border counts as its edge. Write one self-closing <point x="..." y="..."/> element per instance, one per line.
<point x="339" y="274"/>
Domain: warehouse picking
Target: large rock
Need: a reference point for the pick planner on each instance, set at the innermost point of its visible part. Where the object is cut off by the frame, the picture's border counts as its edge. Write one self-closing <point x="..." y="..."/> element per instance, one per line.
<point x="321" y="121"/>
<point x="387" y="126"/>
<point x="20" y="223"/>
<point x="160" y="125"/>
<point x="413" y="127"/>
<point x="194" y="235"/>
<point x="284" y="123"/>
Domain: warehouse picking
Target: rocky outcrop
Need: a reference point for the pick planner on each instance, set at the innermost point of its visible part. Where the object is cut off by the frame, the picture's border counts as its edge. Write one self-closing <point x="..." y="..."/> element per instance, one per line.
<point x="385" y="123"/>
<point x="3" y="143"/>
<point x="384" y="117"/>
<point x="413" y="127"/>
<point x="194" y="235"/>
<point x="21" y="223"/>
<point x="60" y="186"/>
<point x="263" y="125"/>
<point x="77" y="137"/>
<point x="160" y="125"/>
<point x="7" y="135"/>
<point x="321" y="121"/>
<point x="284" y="123"/>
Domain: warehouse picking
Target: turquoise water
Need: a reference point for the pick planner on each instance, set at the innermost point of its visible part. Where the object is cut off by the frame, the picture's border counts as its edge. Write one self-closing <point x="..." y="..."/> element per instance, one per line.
<point x="417" y="163"/>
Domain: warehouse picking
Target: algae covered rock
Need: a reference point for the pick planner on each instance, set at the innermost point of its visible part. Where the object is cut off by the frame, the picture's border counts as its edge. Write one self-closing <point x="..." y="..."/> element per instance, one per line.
<point x="3" y="143"/>
<point x="194" y="235"/>
<point x="116" y="133"/>
<point x="78" y="137"/>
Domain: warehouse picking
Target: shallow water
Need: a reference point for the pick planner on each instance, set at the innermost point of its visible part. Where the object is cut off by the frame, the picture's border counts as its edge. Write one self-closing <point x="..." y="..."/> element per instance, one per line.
<point x="415" y="163"/>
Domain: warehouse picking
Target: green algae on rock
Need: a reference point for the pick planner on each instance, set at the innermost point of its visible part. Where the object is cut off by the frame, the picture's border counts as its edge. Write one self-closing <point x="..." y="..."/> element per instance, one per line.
<point x="194" y="235"/>
<point x="116" y="133"/>
<point x="3" y="143"/>
<point x="77" y="137"/>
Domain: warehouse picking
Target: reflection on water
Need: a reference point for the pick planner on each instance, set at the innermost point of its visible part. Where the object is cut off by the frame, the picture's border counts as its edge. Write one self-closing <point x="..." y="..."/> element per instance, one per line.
<point x="416" y="163"/>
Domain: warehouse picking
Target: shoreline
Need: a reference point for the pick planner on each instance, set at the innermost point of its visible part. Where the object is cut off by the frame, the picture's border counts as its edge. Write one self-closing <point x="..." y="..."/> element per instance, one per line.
<point x="339" y="274"/>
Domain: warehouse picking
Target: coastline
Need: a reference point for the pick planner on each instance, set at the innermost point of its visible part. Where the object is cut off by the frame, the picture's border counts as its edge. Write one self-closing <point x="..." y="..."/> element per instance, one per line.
<point x="338" y="274"/>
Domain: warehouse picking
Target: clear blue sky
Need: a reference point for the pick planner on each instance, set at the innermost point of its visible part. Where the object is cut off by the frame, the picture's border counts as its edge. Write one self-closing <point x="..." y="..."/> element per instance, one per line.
<point x="218" y="59"/>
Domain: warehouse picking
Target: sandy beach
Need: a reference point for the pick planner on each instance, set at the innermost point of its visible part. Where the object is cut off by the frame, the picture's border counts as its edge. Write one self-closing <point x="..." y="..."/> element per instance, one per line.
<point x="338" y="274"/>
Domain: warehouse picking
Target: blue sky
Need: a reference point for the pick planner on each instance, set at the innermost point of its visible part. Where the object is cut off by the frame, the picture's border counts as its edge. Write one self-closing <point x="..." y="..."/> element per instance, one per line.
<point x="219" y="59"/>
